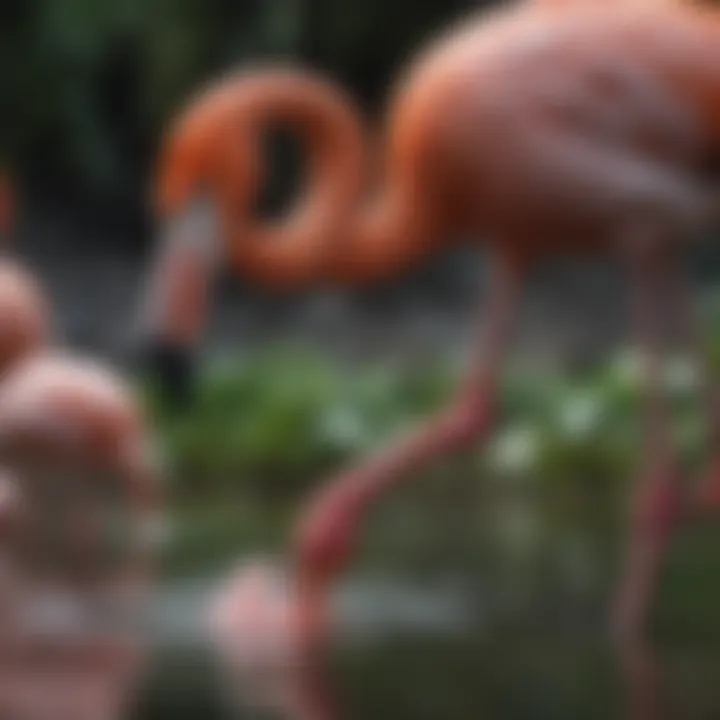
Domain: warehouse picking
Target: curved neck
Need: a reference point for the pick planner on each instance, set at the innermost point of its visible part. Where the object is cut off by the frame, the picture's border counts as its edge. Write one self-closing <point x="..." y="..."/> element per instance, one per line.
<point x="330" y="235"/>
<point x="399" y="218"/>
<point x="386" y="236"/>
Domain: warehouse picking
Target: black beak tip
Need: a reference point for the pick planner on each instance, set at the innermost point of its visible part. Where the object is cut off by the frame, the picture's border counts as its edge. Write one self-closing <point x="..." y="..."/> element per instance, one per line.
<point x="170" y="370"/>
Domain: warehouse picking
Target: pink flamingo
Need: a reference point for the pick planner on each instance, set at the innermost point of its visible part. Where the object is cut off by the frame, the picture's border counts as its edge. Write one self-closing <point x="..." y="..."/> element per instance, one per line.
<point x="540" y="128"/>
<point x="63" y="413"/>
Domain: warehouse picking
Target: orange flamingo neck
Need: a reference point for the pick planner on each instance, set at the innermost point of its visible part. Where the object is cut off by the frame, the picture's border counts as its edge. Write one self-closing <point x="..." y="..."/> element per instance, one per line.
<point x="330" y="235"/>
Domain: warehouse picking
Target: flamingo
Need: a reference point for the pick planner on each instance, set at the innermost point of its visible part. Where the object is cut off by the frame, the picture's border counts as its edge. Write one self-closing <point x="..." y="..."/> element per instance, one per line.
<point x="540" y="129"/>
<point x="61" y="412"/>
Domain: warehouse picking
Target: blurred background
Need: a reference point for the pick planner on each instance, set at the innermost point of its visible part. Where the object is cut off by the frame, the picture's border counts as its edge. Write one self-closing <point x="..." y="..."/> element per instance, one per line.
<point x="482" y="587"/>
<point x="91" y="86"/>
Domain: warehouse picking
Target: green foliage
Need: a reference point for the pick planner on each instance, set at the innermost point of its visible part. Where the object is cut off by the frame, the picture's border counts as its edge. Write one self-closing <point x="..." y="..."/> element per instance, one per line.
<point x="536" y="517"/>
<point x="90" y="85"/>
<point x="273" y="423"/>
<point x="89" y="80"/>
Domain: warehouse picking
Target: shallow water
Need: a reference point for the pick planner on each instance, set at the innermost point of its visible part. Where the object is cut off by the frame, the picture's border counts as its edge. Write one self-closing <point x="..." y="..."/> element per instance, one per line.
<point x="367" y="610"/>
<point x="417" y="653"/>
<point x="418" y="678"/>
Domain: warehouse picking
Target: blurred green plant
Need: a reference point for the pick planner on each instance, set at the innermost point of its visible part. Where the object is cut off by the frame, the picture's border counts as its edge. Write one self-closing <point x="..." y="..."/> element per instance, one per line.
<point x="538" y="514"/>
<point x="90" y="85"/>
<point x="275" y="421"/>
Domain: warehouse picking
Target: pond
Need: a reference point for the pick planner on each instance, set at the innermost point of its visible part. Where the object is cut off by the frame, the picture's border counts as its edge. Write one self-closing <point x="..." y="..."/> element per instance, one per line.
<point x="456" y="652"/>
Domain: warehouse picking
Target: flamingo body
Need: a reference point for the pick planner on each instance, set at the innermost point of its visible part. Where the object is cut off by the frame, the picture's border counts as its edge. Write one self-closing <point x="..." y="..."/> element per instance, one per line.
<point x="544" y="127"/>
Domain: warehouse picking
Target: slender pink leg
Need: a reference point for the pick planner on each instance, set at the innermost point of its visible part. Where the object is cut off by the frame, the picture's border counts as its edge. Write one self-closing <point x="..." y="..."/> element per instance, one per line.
<point x="707" y="495"/>
<point x="329" y="527"/>
<point x="707" y="499"/>
<point x="659" y="498"/>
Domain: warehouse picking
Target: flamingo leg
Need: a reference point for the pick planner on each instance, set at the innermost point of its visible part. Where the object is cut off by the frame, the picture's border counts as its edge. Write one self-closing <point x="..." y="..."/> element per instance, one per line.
<point x="329" y="528"/>
<point x="707" y="495"/>
<point x="705" y="498"/>
<point x="659" y="499"/>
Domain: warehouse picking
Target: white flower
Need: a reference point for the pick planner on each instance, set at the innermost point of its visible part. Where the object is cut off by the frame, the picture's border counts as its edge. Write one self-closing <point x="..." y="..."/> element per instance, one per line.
<point x="345" y="427"/>
<point x="681" y="375"/>
<point x="579" y="416"/>
<point x="516" y="450"/>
